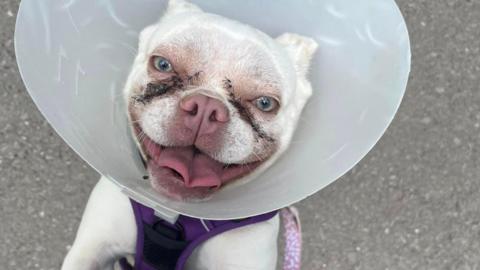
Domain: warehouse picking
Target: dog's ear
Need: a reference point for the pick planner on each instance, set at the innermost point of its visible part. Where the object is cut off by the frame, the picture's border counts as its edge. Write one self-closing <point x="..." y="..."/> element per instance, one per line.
<point x="174" y="7"/>
<point x="181" y="6"/>
<point x="300" y="49"/>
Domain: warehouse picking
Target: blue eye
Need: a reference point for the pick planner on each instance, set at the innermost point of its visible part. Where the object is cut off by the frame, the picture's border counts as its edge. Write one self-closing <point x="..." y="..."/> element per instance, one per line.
<point x="161" y="64"/>
<point x="266" y="104"/>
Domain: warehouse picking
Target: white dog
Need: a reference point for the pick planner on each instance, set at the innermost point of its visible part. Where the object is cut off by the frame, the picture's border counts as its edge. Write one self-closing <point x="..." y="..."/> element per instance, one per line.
<point x="211" y="101"/>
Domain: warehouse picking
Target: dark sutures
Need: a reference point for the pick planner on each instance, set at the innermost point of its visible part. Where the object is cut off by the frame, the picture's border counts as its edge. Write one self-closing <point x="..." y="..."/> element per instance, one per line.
<point x="155" y="89"/>
<point x="244" y="113"/>
<point x="194" y="77"/>
<point x="227" y="84"/>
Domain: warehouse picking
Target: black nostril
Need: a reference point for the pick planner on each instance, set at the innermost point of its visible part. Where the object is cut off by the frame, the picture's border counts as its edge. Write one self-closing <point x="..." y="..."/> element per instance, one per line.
<point x="194" y="111"/>
<point x="213" y="116"/>
<point x="177" y="174"/>
<point x="153" y="90"/>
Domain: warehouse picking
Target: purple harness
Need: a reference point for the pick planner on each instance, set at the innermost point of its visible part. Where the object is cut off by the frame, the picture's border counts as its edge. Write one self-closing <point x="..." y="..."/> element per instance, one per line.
<point x="165" y="246"/>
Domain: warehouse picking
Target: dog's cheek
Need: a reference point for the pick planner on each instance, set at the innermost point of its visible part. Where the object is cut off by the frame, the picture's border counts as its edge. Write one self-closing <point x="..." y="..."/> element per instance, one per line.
<point x="155" y="119"/>
<point x="289" y="119"/>
<point x="238" y="142"/>
<point x="270" y="144"/>
<point x="137" y="79"/>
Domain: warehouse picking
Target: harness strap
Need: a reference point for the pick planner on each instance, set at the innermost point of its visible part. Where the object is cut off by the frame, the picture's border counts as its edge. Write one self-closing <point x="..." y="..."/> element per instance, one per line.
<point x="218" y="230"/>
<point x="163" y="246"/>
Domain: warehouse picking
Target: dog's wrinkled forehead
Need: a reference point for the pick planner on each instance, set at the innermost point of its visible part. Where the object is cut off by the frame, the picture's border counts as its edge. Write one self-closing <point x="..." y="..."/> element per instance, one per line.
<point x="220" y="48"/>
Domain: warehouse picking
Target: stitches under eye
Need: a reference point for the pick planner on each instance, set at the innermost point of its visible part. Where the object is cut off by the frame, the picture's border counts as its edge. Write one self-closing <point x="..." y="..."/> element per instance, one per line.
<point x="155" y="89"/>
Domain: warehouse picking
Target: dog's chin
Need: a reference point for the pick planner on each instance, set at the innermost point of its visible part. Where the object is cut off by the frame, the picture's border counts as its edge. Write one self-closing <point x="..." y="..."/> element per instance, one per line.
<point x="186" y="173"/>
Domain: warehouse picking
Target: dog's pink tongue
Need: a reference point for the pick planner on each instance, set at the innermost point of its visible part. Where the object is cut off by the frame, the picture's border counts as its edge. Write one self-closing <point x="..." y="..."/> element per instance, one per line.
<point x="196" y="169"/>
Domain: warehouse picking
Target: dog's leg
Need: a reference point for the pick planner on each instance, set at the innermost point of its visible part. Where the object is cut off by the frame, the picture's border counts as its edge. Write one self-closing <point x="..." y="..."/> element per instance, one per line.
<point x="245" y="248"/>
<point x="107" y="231"/>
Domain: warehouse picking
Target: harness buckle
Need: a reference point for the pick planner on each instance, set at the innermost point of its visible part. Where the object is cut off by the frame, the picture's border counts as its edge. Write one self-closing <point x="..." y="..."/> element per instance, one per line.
<point x="162" y="245"/>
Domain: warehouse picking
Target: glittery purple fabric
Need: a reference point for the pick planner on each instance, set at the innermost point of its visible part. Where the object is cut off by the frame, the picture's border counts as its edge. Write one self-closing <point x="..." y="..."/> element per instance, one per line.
<point x="293" y="239"/>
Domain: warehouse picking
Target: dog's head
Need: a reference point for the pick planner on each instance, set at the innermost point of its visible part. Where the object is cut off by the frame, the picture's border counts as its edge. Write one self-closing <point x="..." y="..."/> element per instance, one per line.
<point x="212" y="100"/>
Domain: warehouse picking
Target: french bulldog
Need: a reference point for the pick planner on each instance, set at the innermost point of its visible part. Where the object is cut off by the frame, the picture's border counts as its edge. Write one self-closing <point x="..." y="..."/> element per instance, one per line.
<point x="212" y="102"/>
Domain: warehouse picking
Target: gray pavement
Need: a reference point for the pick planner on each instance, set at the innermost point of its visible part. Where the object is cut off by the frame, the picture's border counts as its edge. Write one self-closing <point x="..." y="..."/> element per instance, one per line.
<point x="412" y="203"/>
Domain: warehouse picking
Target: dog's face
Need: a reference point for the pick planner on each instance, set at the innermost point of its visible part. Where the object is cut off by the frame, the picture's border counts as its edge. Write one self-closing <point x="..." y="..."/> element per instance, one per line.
<point x="211" y="100"/>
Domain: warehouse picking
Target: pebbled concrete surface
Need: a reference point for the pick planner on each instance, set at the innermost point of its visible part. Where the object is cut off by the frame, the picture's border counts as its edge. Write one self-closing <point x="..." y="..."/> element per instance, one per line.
<point x="412" y="203"/>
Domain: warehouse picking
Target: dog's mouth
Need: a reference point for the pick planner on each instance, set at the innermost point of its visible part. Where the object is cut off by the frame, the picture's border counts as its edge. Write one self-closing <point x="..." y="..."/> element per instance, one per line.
<point x="187" y="172"/>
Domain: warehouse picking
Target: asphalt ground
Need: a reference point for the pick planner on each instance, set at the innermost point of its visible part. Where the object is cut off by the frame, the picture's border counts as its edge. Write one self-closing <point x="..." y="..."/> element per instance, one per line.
<point x="412" y="203"/>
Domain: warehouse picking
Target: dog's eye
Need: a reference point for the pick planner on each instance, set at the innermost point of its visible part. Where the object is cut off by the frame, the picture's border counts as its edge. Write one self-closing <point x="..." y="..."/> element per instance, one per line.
<point x="266" y="104"/>
<point x="161" y="64"/>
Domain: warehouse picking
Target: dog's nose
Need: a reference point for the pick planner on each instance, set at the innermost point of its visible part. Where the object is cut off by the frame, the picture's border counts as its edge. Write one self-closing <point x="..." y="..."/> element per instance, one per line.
<point x="204" y="115"/>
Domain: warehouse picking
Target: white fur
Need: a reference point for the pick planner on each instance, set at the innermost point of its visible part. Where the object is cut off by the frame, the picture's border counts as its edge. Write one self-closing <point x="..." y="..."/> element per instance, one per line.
<point x="240" y="142"/>
<point x="285" y="60"/>
<point x="153" y="120"/>
<point x="108" y="230"/>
